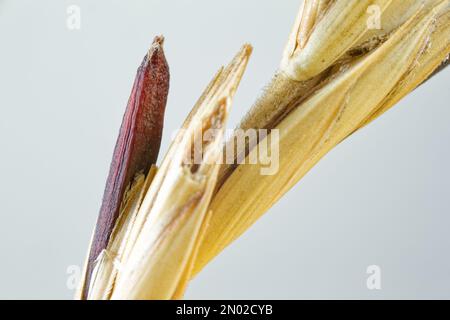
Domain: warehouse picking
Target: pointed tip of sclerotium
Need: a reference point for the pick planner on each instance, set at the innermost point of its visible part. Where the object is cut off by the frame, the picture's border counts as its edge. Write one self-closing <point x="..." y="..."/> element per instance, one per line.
<point x="158" y="41"/>
<point x="157" y="45"/>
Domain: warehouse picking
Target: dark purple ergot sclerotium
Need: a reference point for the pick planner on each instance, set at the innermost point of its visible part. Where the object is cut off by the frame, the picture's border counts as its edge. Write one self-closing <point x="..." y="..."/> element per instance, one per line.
<point x="137" y="146"/>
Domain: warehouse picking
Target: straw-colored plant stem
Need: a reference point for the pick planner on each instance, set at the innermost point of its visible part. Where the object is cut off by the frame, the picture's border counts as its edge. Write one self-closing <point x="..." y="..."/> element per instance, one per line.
<point x="355" y="86"/>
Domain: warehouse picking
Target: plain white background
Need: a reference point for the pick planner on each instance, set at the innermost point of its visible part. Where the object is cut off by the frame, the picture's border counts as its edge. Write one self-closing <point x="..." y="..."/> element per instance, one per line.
<point x="381" y="197"/>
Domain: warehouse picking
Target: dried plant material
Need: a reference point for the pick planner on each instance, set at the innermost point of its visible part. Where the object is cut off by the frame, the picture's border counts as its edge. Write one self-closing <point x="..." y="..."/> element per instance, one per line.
<point x="340" y="71"/>
<point x="137" y="146"/>
<point x="329" y="36"/>
<point x="169" y="222"/>
<point x="281" y="96"/>
<point x="189" y="269"/>
<point x="381" y="24"/>
<point x="110" y="259"/>
<point x="310" y="13"/>
<point x="327" y="31"/>
<point x="284" y="93"/>
<point x="353" y="93"/>
<point x="434" y="58"/>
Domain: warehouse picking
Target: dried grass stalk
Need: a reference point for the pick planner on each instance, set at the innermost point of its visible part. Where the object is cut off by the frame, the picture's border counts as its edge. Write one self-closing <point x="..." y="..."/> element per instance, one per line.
<point x="314" y="115"/>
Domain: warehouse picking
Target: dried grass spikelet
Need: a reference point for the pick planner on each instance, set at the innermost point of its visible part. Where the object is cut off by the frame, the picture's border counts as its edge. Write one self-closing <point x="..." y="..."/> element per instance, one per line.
<point x="326" y="33"/>
<point x="315" y="114"/>
<point x="323" y="32"/>
<point x="162" y="244"/>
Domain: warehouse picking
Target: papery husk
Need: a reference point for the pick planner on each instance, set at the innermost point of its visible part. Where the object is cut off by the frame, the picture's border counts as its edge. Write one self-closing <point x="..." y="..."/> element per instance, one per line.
<point x="111" y="259"/>
<point x="326" y="30"/>
<point x="336" y="27"/>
